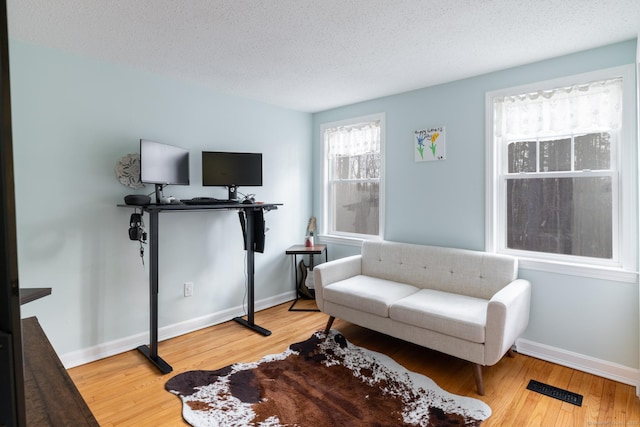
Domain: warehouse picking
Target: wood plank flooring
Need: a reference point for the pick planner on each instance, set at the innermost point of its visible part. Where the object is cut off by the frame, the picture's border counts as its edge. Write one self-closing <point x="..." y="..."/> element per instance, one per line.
<point x="125" y="390"/>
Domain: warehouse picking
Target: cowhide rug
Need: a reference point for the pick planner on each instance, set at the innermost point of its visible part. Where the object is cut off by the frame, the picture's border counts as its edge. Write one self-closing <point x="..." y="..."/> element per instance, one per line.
<point x="321" y="382"/>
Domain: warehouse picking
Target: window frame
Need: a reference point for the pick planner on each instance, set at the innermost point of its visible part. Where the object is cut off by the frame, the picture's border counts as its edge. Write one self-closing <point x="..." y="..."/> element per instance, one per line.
<point x="326" y="233"/>
<point x="623" y="266"/>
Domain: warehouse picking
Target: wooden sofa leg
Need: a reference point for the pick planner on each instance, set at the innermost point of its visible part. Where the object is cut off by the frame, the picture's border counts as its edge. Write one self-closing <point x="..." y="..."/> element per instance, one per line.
<point x="329" y="323"/>
<point x="511" y="353"/>
<point x="477" y="373"/>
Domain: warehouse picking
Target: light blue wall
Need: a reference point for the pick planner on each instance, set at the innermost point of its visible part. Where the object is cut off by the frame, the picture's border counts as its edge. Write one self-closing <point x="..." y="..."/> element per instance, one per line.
<point x="443" y="203"/>
<point x="73" y="119"/>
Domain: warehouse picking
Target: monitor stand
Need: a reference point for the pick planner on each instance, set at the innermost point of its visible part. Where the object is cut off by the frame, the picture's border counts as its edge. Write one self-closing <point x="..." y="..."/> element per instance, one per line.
<point x="159" y="195"/>
<point x="233" y="193"/>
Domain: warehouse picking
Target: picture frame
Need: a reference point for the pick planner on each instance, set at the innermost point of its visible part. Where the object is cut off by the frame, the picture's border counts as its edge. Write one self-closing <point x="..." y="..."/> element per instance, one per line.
<point x="429" y="144"/>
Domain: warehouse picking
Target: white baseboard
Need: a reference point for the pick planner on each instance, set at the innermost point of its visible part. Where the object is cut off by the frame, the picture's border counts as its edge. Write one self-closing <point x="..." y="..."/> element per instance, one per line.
<point x="602" y="368"/>
<point x="107" y="349"/>
<point x="580" y="362"/>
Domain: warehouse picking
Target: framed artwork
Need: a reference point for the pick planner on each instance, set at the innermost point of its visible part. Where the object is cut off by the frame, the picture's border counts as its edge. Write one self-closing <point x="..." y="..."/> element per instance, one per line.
<point x="429" y="144"/>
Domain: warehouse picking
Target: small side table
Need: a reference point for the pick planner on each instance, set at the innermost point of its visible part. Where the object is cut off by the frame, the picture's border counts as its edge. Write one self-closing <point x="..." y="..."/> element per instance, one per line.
<point x="296" y="250"/>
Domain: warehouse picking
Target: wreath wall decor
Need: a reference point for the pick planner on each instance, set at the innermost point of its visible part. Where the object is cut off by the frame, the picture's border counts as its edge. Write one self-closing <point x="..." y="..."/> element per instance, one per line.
<point x="128" y="171"/>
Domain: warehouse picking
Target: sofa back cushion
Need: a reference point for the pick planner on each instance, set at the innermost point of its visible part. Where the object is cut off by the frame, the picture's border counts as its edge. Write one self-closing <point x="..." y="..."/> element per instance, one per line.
<point x="466" y="272"/>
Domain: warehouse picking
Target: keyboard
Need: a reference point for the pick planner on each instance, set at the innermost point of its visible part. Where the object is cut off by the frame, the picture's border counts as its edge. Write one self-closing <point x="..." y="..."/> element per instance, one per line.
<point x="206" y="201"/>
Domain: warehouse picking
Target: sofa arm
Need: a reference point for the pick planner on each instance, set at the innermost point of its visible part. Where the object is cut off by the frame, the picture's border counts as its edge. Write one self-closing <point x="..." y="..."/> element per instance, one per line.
<point x="334" y="271"/>
<point x="507" y="319"/>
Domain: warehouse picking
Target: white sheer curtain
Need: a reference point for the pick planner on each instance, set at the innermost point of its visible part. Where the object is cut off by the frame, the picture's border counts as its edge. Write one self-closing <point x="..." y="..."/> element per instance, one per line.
<point x="353" y="140"/>
<point x="591" y="107"/>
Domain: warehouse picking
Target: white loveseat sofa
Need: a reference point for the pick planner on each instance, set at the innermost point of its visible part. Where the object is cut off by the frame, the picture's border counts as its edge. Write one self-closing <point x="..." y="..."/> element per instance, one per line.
<point x="464" y="303"/>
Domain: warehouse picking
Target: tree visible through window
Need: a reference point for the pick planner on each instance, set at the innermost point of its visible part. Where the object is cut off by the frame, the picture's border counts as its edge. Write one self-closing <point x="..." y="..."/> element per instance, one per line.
<point x="571" y="214"/>
<point x="353" y="178"/>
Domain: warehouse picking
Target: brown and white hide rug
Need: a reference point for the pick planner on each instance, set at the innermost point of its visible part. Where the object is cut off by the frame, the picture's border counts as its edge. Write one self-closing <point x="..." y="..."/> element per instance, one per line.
<point x="321" y="382"/>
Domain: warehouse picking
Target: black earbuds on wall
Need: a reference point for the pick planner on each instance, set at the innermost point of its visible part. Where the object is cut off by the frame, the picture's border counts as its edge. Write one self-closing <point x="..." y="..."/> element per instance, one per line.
<point x="136" y="228"/>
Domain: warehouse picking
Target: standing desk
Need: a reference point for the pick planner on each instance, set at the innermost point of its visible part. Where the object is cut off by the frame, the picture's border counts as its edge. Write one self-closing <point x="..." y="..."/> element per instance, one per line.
<point x="151" y="351"/>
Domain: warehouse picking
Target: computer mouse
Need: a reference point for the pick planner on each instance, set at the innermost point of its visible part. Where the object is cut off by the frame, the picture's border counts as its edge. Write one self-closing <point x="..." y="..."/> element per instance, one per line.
<point x="247" y="202"/>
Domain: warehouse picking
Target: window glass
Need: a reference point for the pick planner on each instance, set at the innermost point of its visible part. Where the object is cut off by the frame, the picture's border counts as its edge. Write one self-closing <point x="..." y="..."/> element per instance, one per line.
<point x="593" y="151"/>
<point x="356" y="207"/>
<point x="522" y="156"/>
<point x="568" y="216"/>
<point x="555" y="155"/>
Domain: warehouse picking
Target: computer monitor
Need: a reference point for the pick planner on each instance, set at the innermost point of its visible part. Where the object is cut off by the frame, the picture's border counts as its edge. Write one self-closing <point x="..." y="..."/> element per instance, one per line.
<point x="163" y="164"/>
<point x="231" y="170"/>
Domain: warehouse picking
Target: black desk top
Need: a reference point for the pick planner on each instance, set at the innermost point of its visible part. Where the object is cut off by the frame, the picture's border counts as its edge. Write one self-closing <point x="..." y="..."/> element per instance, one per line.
<point x="185" y="207"/>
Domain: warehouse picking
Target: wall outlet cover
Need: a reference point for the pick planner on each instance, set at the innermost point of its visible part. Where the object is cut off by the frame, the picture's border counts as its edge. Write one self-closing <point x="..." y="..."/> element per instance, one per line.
<point x="188" y="289"/>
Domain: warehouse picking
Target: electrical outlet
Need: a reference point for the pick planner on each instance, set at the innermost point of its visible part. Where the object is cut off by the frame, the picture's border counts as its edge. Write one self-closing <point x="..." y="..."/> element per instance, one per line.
<point x="188" y="289"/>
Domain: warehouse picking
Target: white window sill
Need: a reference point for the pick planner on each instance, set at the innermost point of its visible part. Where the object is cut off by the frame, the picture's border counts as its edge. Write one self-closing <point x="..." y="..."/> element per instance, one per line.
<point x="341" y="240"/>
<point x="582" y="270"/>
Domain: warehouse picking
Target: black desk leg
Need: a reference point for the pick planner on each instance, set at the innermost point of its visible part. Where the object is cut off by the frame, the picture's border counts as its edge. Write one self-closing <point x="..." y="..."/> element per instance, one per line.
<point x="151" y="351"/>
<point x="249" y="241"/>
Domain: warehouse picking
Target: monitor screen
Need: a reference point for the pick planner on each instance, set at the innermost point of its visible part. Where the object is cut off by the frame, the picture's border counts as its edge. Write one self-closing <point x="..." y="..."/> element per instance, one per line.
<point x="231" y="169"/>
<point x="163" y="164"/>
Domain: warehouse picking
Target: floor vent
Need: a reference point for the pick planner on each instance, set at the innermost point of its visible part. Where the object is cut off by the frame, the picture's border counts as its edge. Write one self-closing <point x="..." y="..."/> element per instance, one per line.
<point x="555" y="392"/>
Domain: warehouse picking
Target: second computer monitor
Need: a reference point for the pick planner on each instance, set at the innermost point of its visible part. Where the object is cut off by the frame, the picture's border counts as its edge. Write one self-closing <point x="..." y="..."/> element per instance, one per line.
<point x="231" y="170"/>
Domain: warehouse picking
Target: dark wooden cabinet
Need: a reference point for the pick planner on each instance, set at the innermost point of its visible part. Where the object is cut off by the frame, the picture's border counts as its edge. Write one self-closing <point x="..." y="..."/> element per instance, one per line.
<point x="12" y="408"/>
<point x="51" y="397"/>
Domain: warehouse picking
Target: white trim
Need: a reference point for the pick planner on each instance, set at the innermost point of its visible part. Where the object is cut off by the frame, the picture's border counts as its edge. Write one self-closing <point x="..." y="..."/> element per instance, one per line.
<point x="581" y="270"/>
<point x="490" y="183"/>
<point x="580" y="362"/>
<point x="348" y="241"/>
<point x="111" y="348"/>
<point x="637" y="70"/>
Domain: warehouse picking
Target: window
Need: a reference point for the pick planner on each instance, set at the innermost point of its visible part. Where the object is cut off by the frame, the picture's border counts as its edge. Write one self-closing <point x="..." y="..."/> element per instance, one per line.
<point x="353" y="178"/>
<point x="560" y="177"/>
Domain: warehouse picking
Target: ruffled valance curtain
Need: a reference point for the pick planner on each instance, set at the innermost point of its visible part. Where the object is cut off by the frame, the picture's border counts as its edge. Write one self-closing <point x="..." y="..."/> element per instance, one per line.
<point x="353" y="140"/>
<point x="591" y="107"/>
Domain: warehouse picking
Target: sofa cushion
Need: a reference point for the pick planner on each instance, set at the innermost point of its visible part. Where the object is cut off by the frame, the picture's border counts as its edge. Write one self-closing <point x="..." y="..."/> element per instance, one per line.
<point x="459" y="271"/>
<point x="368" y="294"/>
<point x="451" y="314"/>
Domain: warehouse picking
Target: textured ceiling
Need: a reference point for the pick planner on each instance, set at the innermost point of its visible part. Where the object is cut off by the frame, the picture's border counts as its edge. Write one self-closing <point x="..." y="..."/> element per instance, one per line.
<point x="312" y="55"/>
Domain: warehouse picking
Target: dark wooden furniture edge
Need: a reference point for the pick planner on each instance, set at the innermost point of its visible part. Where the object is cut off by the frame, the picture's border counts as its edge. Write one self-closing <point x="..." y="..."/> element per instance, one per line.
<point x="32" y="294"/>
<point x="52" y="399"/>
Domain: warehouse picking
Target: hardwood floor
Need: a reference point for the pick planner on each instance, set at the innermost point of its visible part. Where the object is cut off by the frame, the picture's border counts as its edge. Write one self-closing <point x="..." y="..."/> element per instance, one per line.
<point x="125" y="390"/>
